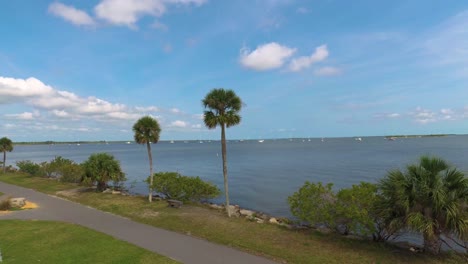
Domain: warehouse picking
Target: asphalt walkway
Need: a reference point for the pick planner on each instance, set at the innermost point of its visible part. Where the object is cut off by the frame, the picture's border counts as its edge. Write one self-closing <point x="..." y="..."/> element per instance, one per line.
<point x="182" y="248"/>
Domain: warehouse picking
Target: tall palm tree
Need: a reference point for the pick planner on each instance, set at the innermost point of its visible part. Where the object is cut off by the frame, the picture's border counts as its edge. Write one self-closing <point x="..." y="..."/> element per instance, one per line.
<point x="146" y="131"/>
<point x="222" y="109"/>
<point x="430" y="197"/>
<point x="5" y="145"/>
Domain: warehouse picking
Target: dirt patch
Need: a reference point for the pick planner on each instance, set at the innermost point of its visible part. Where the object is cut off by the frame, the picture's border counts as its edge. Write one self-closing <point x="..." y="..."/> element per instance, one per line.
<point x="73" y="192"/>
<point x="150" y="213"/>
<point x="29" y="205"/>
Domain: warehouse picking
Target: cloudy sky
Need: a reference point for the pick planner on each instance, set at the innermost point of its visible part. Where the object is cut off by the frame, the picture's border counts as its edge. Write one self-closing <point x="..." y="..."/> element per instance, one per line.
<point x="87" y="70"/>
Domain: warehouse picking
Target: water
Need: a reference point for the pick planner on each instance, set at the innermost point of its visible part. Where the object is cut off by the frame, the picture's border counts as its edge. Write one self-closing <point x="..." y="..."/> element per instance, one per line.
<point x="263" y="175"/>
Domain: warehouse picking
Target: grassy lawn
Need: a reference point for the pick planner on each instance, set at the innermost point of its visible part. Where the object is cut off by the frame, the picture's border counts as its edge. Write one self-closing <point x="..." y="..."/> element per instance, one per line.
<point x="55" y="242"/>
<point x="36" y="183"/>
<point x="291" y="246"/>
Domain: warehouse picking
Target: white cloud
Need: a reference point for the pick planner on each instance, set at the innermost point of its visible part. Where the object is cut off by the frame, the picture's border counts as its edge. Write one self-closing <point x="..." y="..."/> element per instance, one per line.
<point x="266" y="57"/>
<point x="24" y="116"/>
<point x="179" y="123"/>
<point x="71" y="14"/>
<point x="320" y="54"/>
<point x="147" y="109"/>
<point x="60" y="113"/>
<point x="446" y="111"/>
<point x="328" y="71"/>
<point x="128" y="12"/>
<point x="197" y="126"/>
<point x="393" y="115"/>
<point x="175" y="110"/>
<point x="424" y="116"/>
<point x="199" y="116"/>
<point x="12" y="89"/>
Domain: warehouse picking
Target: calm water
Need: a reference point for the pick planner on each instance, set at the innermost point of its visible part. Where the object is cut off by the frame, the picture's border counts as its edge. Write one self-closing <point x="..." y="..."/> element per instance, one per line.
<point x="263" y="175"/>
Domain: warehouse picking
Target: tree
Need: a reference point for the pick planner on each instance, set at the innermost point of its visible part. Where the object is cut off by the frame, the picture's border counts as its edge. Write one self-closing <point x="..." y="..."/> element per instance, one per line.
<point x="222" y="109"/>
<point x="100" y="168"/>
<point x="430" y="197"/>
<point x="146" y="131"/>
<point x="5" y="145"/>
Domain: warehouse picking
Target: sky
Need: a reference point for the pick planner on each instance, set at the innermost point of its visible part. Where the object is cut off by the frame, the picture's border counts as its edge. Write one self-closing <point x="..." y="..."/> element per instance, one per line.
<point x="87" y="70"/>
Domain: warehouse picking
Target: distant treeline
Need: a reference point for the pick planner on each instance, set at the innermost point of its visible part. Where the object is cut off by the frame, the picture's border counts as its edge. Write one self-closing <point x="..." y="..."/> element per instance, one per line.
<point x="65" y="142"/>
<point x="413" y="136"/>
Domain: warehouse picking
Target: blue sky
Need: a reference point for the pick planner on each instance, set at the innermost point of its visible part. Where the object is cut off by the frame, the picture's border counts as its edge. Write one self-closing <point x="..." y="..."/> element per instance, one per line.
<point x="87" y="70"/>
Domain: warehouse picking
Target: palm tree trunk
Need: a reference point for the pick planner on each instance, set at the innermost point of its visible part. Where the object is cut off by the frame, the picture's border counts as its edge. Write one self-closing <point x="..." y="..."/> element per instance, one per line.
<point x="4" y="160"/>
<point x="432" y="243"/>
<point x="150" y="157"/>
<point x="223" y="151"/>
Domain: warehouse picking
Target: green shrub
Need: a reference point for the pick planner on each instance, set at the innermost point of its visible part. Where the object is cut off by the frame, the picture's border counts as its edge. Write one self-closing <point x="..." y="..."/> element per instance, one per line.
<point x="350" y="210"/>
<point x="101" y="168"/>
<point x="184" y="188"/>
<point x="29" y="167"/>
<point x="71" y="173"/>
<point x="55" y="168"/>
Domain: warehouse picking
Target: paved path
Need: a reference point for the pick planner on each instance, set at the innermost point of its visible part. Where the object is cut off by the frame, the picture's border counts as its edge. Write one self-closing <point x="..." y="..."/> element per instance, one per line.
<point x="185" y="249"/>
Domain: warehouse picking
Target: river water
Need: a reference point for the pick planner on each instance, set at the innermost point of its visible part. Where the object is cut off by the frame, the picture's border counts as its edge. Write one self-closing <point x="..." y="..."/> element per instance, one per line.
<point x="263" y="175"/>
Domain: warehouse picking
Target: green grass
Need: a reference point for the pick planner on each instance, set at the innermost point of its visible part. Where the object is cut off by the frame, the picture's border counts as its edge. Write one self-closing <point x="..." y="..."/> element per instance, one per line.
<point x="1" y="193"/>
<point x="55" y="242"/>
<point x="36" y="183"/>
<point x="291" y="246"/>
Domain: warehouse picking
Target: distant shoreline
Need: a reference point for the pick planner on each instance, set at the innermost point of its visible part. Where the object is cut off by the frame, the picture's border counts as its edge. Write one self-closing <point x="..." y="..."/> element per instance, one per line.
<point x="419" y="136"/>
<point x="49" y="142"/>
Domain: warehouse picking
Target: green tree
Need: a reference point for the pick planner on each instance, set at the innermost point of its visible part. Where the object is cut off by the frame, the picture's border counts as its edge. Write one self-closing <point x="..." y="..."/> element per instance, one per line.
<point x="314" y="203"/>
<point x="430" y="197"/>
<point x="222" y="109"/>
<point x="146" y="131"/>
<point x="5" y="145"/>
<point x="100" y="168"/>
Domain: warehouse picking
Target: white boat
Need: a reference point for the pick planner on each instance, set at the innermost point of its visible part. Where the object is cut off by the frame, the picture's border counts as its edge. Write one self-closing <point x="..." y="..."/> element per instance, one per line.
<point x="323" y="140"/>
<point x="358" y="139"/>
<point x="128" y="142"/>
<point x="261" y="141"/>
<point x="172" y="142"/>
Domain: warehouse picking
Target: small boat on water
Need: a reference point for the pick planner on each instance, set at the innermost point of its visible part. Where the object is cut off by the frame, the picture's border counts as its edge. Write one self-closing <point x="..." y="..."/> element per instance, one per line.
<point x="358" y="139"/>
<point x="323" y="140"/>
<point x="128" y="142"/>
<point x="172" y="142"/>
<point x="261" y="141"/>
<point x="391" y="138"/>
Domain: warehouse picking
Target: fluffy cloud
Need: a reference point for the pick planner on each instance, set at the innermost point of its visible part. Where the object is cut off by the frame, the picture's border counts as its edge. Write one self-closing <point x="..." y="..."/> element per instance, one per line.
<point x="179" y="123"/>
<point x="423" y="116"/>
<point x="266" y="57"/>
<point x="12" y="89"/>
<point x="127" y="12"/>
<point x="320" y="54"/>
<point x="24" y="116"/>
<point x="327" y="71"/>
<point x="71" y="14"/>
<point x="63" y="111"/>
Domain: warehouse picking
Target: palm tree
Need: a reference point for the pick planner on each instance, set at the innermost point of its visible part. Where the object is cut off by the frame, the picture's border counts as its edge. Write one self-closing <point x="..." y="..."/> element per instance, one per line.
<point x="430" y="197"/>
<point x="147" y="131"/>
<point x="5" y="145"/>
<point x="222" y="109"/>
